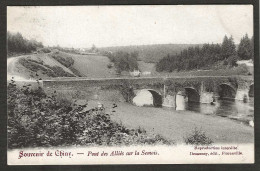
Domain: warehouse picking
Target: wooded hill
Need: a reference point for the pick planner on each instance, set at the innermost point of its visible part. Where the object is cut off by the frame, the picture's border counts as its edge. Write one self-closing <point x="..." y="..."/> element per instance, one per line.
<point x="150" y="53"/>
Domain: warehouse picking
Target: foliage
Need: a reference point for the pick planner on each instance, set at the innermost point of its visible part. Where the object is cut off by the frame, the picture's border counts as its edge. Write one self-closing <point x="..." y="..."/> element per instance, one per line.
<point x="228" y="48"/>
<point x="232" y="60"/>
<point x="109" y="65"/>
<point x="198" y="137"/>
<point x="67" y="61"/>
<point x="194" y="58"/>
<point x="37" y="66"/>
<point x="44" y="50"/>
<point x="127" y="92"/>
<point x="94" y="49"/>
<point x="124" y="61"/>
<point x="243" y="69"/>
<point x="59" y="72"/>
<point x="16" y="43"/>
<point x="191" y="58"/>
<point x="246" y="48"/>
<point x="31" y="65"/>
<point x="149" y="53"/>
<point x="75" y="71"/>
<point x="38" y="120"/>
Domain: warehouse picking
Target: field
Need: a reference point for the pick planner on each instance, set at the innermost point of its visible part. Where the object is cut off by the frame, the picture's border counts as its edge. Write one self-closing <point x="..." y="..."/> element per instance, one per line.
<point x="93" y="66"/>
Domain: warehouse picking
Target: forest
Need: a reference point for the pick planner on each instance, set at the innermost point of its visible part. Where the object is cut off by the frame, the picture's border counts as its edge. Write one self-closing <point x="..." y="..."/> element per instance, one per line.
<point x="17" y="44"/>
<point x="209" y="54"/>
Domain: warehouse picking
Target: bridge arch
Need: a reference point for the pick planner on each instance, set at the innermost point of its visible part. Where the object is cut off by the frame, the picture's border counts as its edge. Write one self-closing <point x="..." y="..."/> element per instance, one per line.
<point x="142" y="98"/>
<point x="192" y="94"/>
<point x="251" y="90"/>
<point x="226" y="91"/>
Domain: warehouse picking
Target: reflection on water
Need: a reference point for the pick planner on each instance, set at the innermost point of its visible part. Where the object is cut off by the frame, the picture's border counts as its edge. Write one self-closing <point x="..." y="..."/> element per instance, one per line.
<point x="233" y="109"/>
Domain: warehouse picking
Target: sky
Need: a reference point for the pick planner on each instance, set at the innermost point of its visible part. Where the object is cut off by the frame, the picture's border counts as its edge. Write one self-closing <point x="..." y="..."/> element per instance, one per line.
<point x="103" y="26"/>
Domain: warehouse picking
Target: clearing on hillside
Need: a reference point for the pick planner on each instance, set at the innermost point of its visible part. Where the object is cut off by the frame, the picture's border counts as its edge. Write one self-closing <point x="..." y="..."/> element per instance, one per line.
<point x="92" y="66"/>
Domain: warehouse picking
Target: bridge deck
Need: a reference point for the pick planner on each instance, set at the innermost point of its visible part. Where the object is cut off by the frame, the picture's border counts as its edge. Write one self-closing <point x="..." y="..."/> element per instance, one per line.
<point x="146" y="78"/>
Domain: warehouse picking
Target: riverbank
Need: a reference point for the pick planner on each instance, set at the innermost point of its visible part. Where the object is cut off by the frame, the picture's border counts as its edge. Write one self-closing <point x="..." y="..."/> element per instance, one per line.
<point x="175" y="125"/>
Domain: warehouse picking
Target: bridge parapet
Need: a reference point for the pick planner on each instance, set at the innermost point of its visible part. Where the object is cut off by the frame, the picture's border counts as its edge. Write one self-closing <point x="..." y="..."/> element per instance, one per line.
<point x="207" y="87"/>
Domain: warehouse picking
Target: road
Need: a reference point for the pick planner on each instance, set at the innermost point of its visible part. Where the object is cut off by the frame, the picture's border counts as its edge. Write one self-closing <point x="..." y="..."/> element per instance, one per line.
<point x="12" y="69"/>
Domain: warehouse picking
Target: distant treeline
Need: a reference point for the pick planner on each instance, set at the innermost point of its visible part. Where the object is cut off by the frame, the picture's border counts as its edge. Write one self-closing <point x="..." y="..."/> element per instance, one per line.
<point x="150" y="53"/>
<point x="124" y="61"/>
<point x="16" y="44"/>
<point x="204" y="57"/>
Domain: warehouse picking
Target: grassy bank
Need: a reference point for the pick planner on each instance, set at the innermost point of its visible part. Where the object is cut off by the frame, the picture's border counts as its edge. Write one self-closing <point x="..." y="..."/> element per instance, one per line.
<point x="38" y="120"/>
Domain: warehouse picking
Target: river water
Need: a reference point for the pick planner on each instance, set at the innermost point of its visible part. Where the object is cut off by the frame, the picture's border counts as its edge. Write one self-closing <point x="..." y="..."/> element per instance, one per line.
<point x="232" y="109"/>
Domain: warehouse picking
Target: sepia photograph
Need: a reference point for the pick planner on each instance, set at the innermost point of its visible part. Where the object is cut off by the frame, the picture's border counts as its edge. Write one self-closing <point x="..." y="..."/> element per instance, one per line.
<point x="131" y="84"/>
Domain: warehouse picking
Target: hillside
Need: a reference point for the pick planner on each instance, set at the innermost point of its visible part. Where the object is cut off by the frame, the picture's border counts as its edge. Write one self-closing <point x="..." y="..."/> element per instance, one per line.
<point x="58" y="64"/>
<point x="93" y="66"/>
<point x="151" y="53"/>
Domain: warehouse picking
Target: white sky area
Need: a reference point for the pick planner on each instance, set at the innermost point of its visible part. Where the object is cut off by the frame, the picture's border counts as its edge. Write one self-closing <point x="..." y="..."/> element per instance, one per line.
<point x="82" y="26"/>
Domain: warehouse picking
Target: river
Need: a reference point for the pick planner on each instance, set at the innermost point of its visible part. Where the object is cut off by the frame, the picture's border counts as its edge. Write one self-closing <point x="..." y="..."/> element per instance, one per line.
<point x="233" y="109"/>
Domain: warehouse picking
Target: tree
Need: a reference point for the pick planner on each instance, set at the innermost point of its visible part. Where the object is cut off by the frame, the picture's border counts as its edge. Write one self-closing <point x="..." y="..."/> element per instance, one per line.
<point x="252" y="48"/>
<point x="245" y="48"/>
<point x="16" y="43"/>
<point x="228" y="47"/>
<point x="93" y="49"/>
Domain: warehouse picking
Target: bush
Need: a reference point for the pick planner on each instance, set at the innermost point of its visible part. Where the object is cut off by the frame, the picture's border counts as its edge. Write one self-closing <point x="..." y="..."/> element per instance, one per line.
<point x="66" y="61"/>
<point x="232" y="60"/>
<point x="124" y="61"/>
<point x="75" y="71"/>
<point x="31" y="65"/>
<point x="242" y="69"/>
<point x="45" y="50"/>
<point x="109" y="66"/>
<point x="197" y="137"/>
<point x="38" y="66"/>
<point x="225" y="62"/>
<point x="38" y="120"/>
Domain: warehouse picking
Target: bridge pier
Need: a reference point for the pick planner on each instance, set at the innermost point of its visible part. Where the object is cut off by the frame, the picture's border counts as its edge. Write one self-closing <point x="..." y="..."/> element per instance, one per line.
<point x="169" y="101"/>
<point x="242" y="94"/>
<point x="206" y="97"/>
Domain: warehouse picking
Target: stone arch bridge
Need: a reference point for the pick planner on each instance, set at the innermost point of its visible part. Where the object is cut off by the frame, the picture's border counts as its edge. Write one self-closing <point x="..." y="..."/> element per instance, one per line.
<point x="202" y="89"/>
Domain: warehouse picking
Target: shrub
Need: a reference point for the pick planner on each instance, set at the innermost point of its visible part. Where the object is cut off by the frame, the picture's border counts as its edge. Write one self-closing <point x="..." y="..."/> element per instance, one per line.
<point x="67" y="61"/>
<point x="45" y="50"/>
<point x="242" y="69"/>
<point x="38" y="66"/>
<point x="31" y="65"/>
<point x="124" y="61"/>
<point x="232" y="60"/>
<point x="38" y="120"/>
<point x="225" y="62"/>
<point x="59" y="72"/>
<point x="109" y="66"/>
<point x="198" y="137"/>
<point x="75" y="71"/>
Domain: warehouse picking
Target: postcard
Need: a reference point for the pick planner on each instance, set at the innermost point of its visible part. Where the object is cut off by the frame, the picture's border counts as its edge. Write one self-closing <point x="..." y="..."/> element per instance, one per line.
<point x="130" y="84"/>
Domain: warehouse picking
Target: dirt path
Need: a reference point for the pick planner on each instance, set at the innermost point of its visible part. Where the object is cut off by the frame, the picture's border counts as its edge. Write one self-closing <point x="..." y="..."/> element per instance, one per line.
<point x="177" y="124"/>
<point x="12" y="69"/>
